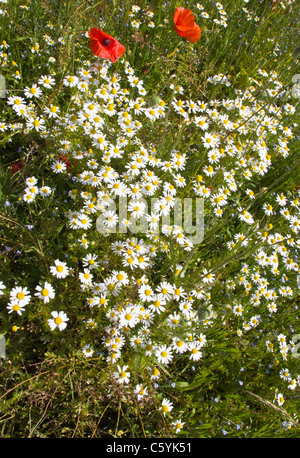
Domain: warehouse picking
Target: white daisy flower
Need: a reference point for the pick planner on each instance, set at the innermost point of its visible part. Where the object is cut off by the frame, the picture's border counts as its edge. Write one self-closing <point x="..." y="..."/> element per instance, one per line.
<point x="87" y="350"/>
<point x="60" y="269"/>
<point x="21" y="295"/>
<point x="164" y="354"/>
<point x="14" y="306"/>
<point x="122" y="375"/>
<point x="140" y="391"/>
<point x="166" y="406"/>
<point x="45" y="292"/>
<point x="86" y="277"/>
<point x="45" y="191"/>
<point x="59" y="320"/>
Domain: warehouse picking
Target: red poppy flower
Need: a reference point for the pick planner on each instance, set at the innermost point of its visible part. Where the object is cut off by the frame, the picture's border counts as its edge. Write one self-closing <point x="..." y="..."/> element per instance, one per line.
<point x="16" y="167"/>
<point x="63" y="158"/>
<point x="185" y="24"/>
<point x="104" y="45"/>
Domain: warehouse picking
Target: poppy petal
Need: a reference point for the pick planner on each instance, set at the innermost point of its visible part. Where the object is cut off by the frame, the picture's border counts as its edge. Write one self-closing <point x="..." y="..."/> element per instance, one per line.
<point x="185" y="25"/>
<point x="191" y="35"/>
<point x="104" y="45"/>
<point x="184" y="18"/>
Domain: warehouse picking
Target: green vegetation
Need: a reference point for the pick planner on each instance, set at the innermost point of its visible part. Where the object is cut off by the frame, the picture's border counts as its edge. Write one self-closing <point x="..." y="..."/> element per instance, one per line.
<point x="114" y="330"/>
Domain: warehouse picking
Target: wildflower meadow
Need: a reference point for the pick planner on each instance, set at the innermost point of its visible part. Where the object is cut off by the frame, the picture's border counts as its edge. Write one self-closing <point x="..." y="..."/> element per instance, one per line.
<point x="150" y="219"/>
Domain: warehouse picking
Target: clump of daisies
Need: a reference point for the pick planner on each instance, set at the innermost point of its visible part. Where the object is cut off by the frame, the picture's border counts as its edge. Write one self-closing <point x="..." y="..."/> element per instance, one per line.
<point x="123" y="185"/>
